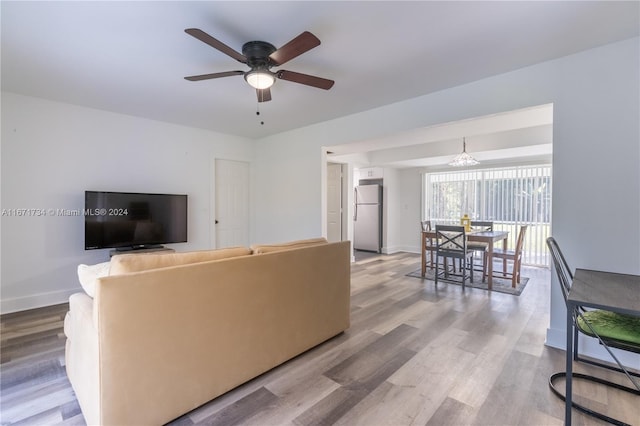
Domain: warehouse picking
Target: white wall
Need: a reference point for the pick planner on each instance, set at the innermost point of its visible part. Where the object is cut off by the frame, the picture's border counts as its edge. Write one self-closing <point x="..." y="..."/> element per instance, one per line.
<point x="53" y="152"/>
<point x="402" y="192"/>
<point x="288" y="185"/>
<point x="390" y="224"/>
<point x="409" y="210"/>
<point x="595" y="160"/>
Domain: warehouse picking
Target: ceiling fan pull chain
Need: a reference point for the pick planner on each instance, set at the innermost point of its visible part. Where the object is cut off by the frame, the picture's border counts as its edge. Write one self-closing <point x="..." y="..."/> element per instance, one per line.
<point x="258" y="112"/>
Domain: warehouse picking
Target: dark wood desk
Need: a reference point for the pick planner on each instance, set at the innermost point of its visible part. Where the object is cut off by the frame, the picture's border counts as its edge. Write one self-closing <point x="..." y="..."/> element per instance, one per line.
<point x="489" y="237"/>
<point x="601" y="290"/>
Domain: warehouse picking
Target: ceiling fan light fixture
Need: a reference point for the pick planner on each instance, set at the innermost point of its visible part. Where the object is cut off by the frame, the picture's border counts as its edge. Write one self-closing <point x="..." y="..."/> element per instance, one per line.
<point x="260" y="79"/>
<point x="463" y="159"/>
<point x="260" y="56"/>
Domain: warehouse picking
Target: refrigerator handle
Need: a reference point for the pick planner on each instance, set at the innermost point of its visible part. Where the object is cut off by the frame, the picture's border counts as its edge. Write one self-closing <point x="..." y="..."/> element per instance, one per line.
<point x="355" y="204"/>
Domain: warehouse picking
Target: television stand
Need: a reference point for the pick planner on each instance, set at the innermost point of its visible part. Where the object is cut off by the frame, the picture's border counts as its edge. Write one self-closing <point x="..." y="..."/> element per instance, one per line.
<point x="142" y="249"/>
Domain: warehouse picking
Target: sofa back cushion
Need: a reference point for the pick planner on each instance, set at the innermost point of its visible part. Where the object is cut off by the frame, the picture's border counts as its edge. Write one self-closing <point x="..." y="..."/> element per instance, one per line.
<point x="125" y="263"/>
<point x="269" y="248"/>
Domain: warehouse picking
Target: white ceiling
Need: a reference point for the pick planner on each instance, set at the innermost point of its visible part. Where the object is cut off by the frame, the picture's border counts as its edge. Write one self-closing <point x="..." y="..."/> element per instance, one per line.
<point x="131" y="56"/>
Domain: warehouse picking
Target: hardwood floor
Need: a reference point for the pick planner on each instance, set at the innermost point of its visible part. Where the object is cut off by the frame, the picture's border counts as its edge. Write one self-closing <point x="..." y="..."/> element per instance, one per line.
<point x="414" y="354"/>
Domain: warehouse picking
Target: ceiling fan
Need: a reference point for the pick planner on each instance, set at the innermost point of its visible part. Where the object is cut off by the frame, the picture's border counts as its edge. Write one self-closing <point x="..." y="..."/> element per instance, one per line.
<point x="261" y="56"/>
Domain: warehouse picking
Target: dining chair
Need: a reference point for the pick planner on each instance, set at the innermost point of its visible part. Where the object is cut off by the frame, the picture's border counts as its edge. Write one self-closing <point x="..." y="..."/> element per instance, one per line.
<point x="479" y="246"/>
<point x="613" y="330"/>
<point x="515" y="256"/>
<point x="451" y="242"/>
<point x="429" y="245"/>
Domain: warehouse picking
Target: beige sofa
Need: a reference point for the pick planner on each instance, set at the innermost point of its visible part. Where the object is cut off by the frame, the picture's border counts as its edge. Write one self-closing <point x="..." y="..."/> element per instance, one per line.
<point x="154" y="344"/>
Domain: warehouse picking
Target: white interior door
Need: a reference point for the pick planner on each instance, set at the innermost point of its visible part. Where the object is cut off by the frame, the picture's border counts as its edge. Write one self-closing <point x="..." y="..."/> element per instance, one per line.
<point x="334" y="202"/>
<point x="231" y="218"/>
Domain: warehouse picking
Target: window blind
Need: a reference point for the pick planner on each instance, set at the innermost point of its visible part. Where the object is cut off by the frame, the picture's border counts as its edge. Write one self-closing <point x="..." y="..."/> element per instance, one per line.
<point x="510" y="197"/>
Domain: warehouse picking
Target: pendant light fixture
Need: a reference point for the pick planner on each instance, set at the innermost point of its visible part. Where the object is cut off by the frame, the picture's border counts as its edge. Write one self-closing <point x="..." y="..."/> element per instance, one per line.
<point x="463" y="159"/>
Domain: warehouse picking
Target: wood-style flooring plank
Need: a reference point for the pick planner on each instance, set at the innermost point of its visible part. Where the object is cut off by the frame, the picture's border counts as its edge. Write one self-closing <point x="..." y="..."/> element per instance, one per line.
<point x="241" y="410"/>
<point x="452" y="413"/>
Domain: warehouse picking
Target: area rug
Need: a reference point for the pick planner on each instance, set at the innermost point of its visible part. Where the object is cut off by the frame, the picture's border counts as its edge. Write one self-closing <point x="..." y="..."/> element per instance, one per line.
<point x="500" y="285"/>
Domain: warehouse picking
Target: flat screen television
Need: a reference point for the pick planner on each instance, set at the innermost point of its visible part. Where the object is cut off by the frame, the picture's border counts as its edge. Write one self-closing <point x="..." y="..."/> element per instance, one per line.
<point x="129" y="221"/>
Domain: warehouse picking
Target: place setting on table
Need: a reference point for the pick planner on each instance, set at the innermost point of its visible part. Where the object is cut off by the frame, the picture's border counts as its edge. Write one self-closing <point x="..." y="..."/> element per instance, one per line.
<point x="496" y="268"/>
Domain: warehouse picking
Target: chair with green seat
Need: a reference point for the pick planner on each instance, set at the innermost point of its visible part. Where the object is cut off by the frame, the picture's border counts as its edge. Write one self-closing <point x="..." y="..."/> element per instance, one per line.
<point x="613" y="330"/>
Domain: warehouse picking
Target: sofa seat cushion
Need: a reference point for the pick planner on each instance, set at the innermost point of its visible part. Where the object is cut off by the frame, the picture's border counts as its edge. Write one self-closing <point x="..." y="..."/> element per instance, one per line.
<point x="269" y="248"/>
<point x="88" y="274"/>
<point x="125" y="263"/>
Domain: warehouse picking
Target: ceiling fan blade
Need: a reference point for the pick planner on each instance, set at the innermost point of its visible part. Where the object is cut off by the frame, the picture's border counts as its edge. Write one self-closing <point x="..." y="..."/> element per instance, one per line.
<point x="216" y="44"/>
<point x="214" y="75"/>
<point x="302" y="43"/>
<point x="309" y="80"/>
<point x="264" y="95"/>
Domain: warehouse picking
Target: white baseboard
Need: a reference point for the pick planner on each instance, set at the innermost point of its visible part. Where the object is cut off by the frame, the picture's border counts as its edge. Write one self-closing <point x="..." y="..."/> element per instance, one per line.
<point x="36" y="301"/>
<point x="556" y="338"/>
<point x="400" y="249"/>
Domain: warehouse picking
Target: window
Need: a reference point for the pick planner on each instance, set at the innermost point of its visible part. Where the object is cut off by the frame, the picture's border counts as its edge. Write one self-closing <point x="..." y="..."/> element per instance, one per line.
<point x="509" y="197"/>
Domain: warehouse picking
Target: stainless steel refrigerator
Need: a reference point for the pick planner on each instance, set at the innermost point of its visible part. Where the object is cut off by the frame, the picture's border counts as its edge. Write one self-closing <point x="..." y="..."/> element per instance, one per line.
<point x="367" y="217"/>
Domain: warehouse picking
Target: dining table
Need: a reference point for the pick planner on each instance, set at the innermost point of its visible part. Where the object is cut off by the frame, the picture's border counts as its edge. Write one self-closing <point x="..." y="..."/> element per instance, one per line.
<point x="482" y="236"/>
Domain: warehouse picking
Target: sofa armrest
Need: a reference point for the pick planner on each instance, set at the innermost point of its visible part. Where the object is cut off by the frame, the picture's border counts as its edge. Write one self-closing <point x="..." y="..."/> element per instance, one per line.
<point x="82" y="357"/>
<point x="81" y="310"/>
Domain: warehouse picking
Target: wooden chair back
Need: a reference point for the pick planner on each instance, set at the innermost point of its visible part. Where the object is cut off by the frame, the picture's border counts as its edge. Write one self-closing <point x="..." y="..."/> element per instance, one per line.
<point x="483" y="225"/>
<point x="520" y="241"/>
